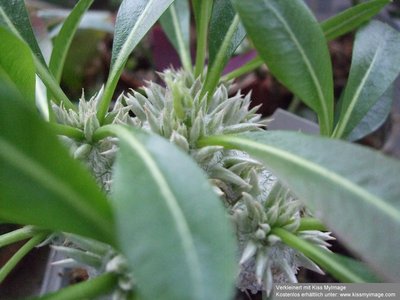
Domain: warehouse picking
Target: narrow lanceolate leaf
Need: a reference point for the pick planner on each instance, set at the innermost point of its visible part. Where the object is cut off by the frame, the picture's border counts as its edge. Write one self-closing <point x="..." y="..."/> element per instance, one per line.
<point x="334" y="27"/>
<point x="291" y="43"/>
<point x="351" y="18"/>
<point x="196" y="4"/>
<point x="222" y="16"/>
<point x="357" y="267"/>
<point x="354" y="190"/>
<point x="168" y="215"/>
<point x="134" y="20"/>
<point x="14" y="11"/>
<point x="40" y="184"/>
<point x="176" y="24"/>
<point x="226" y="34"/>
<point x="16" y="62"/>
<point x="375" y="65"/>
<point x="14" y="17"/>
<point x="375" y="117"/>
<point x="64" y="38"/>
<point x="340" y="267"/>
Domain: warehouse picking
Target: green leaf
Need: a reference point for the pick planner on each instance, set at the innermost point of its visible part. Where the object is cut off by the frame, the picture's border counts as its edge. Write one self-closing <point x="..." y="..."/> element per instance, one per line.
<point x="176" y="24"/>
<point x="291" y="43"/>
<point x="14" y="17"/>
<point x="222" y="17"/>
<point x="340" y="267"/>
<point x="351" y="18"/>
<point x="168" y="215"/>
<point x="226" y="34"/>
<point x="15" y="12"/>
<point x="202" y="11"/>
<point x="17" y="62"/>
<point x="40" y="184"/>
<point x="357" y="267"/>
<point x="334" y="27"/>
<point x="354" y="190"/>
<point x="375" y="65"/>
<point x="196" y="4"/>
<point x="134" y="20"/>
<point x="64" y="38"/>
<point x="375" y="117"/>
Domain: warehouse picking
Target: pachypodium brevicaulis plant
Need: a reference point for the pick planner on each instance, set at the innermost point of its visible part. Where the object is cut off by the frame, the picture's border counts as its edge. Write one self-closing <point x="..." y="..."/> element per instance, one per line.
<point x="179" y="190"/>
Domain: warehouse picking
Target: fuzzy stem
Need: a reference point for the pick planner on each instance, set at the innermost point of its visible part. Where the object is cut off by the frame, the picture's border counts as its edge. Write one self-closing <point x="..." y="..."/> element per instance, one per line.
<point x="20" y="254"/>
<point x="322" y="258"/>
<point x="246" y="68"/>
<point x="311" y="224"/>
<point x="18" y="235"/>
<point x="205" y="13"/>
<point x="68" y="131"/>
<point x="89" y="289"/>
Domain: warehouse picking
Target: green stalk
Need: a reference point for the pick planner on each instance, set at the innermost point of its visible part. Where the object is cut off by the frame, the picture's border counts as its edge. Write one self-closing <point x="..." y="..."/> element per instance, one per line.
<point x="183" y="50"/>
<point x="246" y="68"/>
<point x="214" y="73"/>
<point x="322" y="258"/>
<point x="52" y="85"/>
<point x="294" y="105"/>
<point x="20" y="254"/>
<point x="68" y="131"/>
<point x="311" y="224"/>
<point x="104" y="132"/>
<point x="18" y="235"/>
<point x="107" y="96"/>
<point x="89" y="289"/>
<point x="205" y="14"/>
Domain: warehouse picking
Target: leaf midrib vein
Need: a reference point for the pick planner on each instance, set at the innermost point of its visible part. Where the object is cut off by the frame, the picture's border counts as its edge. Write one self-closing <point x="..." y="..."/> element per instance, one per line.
<point x="307" y="62"/>
<point x="349" y="20"/>
<point x="323" y="172"/>
<point x="356" y="95"/>
<point x="173" y="206"/>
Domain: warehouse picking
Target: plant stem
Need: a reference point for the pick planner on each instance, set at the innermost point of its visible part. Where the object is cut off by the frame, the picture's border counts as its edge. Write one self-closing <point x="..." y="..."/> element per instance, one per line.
<point x="18" y="235"/>
<point x="104" y="132"/>
<point x="20" y="254"/>
<point x="89" y="289"/>
<point x="311" y="224"/>
<point x="183" y="50"/>
<point x="294" y="105"/>
<point x="205" y="13"/>
<point x="52" y="85"/>
<point x="338" y="130"/>
<point x="109" y="89"/>
<point x="322" y="258"/>
<point x="214" y="73"/>
<point x="68" y="131"/>
<point x="246" y="68"/>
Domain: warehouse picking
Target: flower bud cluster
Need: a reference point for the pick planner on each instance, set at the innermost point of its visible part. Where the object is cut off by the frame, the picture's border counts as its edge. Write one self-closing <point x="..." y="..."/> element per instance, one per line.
<point x="99" y="156"/>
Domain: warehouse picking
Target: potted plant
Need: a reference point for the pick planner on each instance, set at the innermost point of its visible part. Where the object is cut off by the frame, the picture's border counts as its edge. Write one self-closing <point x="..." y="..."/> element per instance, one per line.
<point x="177" y="191"/>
